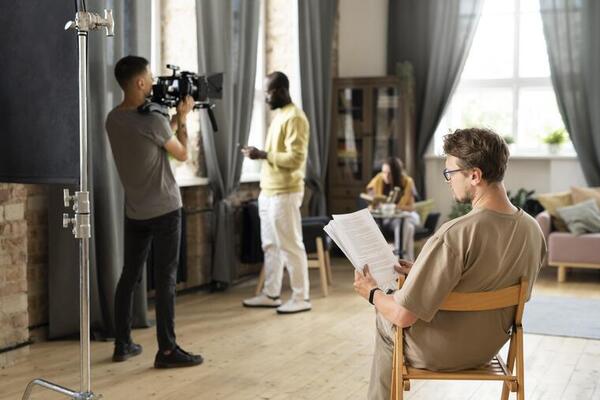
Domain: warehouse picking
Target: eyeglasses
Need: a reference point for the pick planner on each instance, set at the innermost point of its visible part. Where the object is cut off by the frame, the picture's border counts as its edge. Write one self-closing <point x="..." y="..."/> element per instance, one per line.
<point x="446" y="172"/>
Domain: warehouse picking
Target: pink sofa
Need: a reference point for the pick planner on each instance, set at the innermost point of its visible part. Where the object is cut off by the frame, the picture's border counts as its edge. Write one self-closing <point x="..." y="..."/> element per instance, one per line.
<point x="567" y="250"/>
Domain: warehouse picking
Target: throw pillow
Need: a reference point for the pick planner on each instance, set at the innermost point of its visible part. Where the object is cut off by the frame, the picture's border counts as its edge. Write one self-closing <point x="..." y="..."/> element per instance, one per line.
<point x="552" y="201"/>
<point x="424" y="208"/>
<point x="584" y="193"/>
<point x="582" y="217"/>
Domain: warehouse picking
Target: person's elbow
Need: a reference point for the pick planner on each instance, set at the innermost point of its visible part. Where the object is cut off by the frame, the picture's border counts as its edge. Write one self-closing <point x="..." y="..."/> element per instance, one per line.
<point x="403" y="318"/>
<point x="296" y="160"/>
<point x="181" y="157"/>
<point x="176" y="149"/>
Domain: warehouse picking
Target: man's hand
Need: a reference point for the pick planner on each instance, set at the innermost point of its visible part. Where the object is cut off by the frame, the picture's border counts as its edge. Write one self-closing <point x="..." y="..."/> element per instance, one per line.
<point x="363" y="283"/>
<point x="184" y="107"/>
<point x="253" y="153"/>
<point x="403" y="266"/>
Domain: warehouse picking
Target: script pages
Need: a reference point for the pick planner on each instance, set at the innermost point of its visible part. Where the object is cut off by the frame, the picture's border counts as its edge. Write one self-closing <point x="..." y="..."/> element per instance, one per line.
<point x="362" y="242"/>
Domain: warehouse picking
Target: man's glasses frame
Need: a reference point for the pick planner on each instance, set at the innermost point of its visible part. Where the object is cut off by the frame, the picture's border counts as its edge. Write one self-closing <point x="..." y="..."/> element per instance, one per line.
<point x="447" y="173"/>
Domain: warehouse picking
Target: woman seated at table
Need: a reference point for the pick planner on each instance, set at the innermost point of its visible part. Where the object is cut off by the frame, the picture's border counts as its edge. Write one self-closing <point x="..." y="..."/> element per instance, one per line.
<point x="392" y="175"/>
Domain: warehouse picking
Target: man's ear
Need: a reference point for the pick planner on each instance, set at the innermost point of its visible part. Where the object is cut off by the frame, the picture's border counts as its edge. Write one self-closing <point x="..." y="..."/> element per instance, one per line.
<point x="476" y="176"/>
<point x="140" y="83"/>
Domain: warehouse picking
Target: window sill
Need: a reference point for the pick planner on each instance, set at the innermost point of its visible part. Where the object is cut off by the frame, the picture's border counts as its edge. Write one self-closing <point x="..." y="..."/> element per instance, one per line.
<point x="250" y="177"/>
<point x="189" y="181"/>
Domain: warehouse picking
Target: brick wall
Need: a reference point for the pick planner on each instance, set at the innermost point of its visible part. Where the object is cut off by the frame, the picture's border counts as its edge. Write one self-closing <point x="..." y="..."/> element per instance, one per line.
<point x="36" y="217"/>
<point x="13" y="273"/>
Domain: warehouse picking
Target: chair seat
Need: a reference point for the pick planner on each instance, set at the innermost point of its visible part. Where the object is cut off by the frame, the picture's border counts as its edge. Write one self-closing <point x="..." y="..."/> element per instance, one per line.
<point x="495" y="370"/>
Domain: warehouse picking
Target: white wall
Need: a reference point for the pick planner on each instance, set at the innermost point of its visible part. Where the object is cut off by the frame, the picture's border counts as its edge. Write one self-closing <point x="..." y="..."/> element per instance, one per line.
<point x="362" y="38"/>
<point x="542" y="174"/>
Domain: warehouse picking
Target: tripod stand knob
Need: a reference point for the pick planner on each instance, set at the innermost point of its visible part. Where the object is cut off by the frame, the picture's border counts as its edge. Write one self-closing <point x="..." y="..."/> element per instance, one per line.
<point x="109" y="23"/>
<point x="67" y="197"/>
<point x="67" y="220"/>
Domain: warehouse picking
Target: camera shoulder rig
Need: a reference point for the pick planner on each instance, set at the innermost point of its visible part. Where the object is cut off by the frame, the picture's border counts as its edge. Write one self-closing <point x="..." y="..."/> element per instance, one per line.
<point x="149" y="107"/>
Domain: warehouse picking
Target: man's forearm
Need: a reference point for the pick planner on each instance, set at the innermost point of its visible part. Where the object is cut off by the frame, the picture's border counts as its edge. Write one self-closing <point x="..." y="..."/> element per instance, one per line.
<point x="392" y="311"/>
<point x="181" y="132"/>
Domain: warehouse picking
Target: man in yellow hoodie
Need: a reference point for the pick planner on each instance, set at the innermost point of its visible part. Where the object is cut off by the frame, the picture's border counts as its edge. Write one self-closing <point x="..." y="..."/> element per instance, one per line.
<point x="282" y="190"/>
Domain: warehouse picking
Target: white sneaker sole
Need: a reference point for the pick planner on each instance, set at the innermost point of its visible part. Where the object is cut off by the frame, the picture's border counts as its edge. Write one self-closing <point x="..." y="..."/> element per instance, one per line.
<point x="293" y="312"/>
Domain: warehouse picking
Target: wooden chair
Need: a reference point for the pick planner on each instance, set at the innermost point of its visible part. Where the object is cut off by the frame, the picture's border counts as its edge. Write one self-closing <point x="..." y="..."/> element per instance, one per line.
<point x="318" y="259"/>
<point x="497" y="369"/>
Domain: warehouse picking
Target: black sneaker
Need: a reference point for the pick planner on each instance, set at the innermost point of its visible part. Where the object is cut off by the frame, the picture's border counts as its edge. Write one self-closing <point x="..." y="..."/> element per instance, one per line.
<point x="177" y="358"/>
<point x="124" y="351"/>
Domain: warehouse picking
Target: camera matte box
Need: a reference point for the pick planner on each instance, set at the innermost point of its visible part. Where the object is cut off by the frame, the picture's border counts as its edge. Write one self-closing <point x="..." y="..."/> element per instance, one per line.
<point x="39" y="100"/>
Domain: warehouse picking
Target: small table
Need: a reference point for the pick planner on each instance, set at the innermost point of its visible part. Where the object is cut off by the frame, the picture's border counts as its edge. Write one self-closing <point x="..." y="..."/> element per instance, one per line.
<point x="401" y="215"/>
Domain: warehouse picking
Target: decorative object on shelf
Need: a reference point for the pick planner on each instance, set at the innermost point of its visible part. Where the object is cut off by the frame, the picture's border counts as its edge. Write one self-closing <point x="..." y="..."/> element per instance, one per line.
<point x="555" y="139"/>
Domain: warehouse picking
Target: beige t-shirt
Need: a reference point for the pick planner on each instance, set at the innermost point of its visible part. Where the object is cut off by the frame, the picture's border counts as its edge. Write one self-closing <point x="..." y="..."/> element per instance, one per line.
<point x="481" y="251"/>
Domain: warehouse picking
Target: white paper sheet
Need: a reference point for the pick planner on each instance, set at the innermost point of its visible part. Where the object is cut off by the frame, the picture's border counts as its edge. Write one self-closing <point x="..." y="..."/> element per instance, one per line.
<point x="362" y="242"/>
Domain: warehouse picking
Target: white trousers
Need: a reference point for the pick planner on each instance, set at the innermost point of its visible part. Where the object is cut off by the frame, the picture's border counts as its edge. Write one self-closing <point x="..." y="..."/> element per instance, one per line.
<point x="281" y="237"/>
<point x="408" y="225"/>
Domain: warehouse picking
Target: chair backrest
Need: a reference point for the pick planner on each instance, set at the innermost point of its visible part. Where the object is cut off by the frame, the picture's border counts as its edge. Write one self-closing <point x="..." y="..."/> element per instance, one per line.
<point x="312" y="228"/>
<point x="484" y="301"/>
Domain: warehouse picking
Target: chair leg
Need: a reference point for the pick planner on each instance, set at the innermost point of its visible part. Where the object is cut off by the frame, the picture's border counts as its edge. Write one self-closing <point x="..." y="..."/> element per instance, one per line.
<point x="510" y="363"/>
<point x="520" y="365"/>
<point x="328" y="266"/>
<point x="562" y="273"/>
<point x="261" y="281"/>
<point x="322" y="267"/>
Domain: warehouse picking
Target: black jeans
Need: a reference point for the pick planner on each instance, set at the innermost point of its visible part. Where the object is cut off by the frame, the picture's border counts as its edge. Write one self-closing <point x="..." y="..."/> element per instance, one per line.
<point x="164" y="234"/>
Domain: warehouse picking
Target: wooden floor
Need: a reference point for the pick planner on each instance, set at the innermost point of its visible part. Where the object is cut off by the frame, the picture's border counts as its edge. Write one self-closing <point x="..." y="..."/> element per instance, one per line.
<point x="323" y="354"/>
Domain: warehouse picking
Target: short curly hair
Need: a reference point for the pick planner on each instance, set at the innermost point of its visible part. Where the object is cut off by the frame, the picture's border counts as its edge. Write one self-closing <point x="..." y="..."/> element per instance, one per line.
<point x="479" y="148"/>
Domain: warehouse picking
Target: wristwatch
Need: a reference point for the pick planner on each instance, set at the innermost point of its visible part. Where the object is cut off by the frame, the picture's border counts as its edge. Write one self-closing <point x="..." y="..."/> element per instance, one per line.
<point x="372" y="294"/>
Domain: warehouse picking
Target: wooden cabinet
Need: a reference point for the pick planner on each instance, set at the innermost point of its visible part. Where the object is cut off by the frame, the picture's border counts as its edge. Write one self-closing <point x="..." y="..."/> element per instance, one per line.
<point x="368" y="125"/>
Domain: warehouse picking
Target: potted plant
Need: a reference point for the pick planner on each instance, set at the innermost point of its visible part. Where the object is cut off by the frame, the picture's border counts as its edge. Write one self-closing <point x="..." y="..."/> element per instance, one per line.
<point x="510" y="141"/>
<point x="555" y="139"/>
<point x="459" y="209"/>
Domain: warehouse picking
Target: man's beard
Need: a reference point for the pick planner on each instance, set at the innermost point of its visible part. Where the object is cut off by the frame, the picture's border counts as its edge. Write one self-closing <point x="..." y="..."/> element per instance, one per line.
<point x="466" y="199"/>
<point x="276" y="103"/>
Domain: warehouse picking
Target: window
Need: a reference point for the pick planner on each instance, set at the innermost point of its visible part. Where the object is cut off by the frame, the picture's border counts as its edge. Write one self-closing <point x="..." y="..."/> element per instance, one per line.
<point x="281" y="19"/>
<point x="173" y="41"/>
<point x="506" y="84"/>
<point x="256" y="138"/>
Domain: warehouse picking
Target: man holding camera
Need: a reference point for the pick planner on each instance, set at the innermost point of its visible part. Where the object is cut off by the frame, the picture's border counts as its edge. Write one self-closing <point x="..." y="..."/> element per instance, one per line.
<point x="282" y="190"/>
<point x="141" y="143"/>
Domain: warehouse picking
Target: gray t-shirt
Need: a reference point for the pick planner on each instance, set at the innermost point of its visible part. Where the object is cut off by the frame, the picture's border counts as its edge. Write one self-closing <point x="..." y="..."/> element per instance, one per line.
<point x="137" y="142"/>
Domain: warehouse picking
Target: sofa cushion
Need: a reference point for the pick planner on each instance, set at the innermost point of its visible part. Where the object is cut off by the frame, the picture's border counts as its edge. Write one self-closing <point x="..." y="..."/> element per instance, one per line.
<point x="565" y="248"/>
<point x="581" y="218"/>
<point x="552" y="201"/>
<point x="580" y="194"/>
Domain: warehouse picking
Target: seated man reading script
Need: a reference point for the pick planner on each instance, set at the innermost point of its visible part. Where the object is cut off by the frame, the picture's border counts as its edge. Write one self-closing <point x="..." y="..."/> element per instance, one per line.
<point x="490" y="248"/>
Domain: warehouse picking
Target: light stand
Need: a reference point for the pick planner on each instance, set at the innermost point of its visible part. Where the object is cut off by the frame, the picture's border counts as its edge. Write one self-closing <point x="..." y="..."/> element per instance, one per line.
<point x="84" y="22"/>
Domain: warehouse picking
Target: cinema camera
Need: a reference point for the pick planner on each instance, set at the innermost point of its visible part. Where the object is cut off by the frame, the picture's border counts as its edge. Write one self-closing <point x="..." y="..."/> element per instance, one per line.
<point x="169" y="90"/>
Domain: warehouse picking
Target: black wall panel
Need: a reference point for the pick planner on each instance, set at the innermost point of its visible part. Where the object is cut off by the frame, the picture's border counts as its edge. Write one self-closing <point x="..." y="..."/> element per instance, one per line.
<point x="39" y="115"/>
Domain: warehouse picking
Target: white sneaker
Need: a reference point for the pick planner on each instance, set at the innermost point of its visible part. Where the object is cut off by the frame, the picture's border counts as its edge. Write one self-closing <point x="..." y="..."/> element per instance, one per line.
<point x="262" y="300"/>
<point x="294" y="306"/>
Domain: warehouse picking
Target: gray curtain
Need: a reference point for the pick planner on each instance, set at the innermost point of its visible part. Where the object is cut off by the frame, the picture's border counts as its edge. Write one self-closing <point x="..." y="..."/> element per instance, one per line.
<point x="435" y="36"/>
<point x="106" y="244"/>
<point x="573" y="40"/>
<point x="316" y="20"/>
<point x="227" y="42"/>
